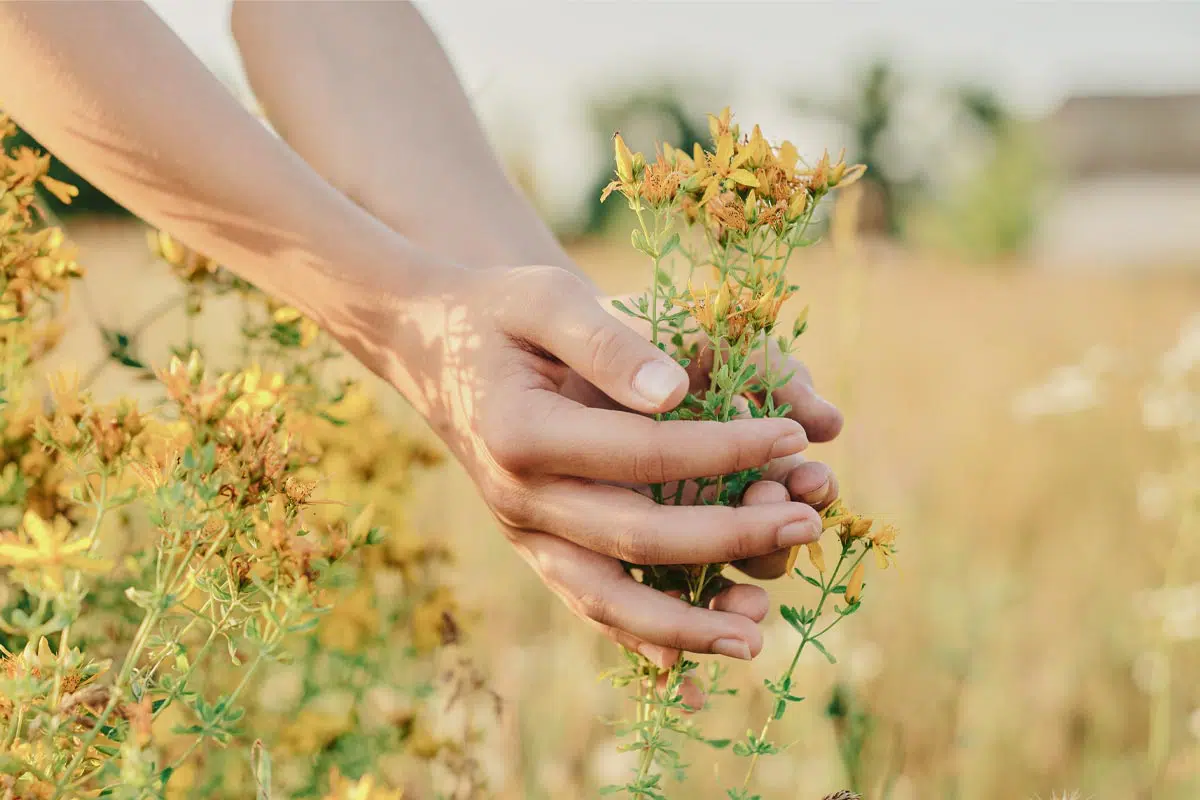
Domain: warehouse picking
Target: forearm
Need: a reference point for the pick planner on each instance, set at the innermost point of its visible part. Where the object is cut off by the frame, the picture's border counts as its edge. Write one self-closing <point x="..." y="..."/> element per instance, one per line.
<point x="365" y="93"/>
<point x="110" y="90"/>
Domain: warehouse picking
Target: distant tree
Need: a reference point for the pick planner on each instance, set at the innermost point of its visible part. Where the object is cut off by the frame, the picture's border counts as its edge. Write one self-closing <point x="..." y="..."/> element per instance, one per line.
<point x="870" y="114"/>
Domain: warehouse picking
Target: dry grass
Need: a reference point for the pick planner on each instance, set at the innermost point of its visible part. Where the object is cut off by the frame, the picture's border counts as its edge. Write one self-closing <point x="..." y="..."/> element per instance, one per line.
<point x="998" y="660"/>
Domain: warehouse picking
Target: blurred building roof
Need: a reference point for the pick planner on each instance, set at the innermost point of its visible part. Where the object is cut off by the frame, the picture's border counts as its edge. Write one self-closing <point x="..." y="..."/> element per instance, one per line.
<point x="1108" y="135"/>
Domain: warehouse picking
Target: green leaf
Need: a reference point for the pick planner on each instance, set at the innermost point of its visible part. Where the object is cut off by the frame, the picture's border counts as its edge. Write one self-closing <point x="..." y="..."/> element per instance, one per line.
<point x="793" y="618"/>
<point x="638" y="240"/>
<point x="617" y="304"/>
<point x="286" y="334"/>
<point x="817" y="644"/>
<point x="672" y="244"/>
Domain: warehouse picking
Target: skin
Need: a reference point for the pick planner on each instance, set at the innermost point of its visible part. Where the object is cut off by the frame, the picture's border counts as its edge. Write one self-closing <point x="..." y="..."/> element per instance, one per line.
<point x="357" y="217"/>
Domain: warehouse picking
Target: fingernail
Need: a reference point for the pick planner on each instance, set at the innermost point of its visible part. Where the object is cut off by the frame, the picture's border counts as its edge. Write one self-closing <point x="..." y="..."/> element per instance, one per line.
<point x="655" y="654"/>
<point x="733" y="648"/>
<point x="817" y="496"/>
<point x="789" y="445"/>
<point x="656" y="381"/>
<point x="795" y="533"/>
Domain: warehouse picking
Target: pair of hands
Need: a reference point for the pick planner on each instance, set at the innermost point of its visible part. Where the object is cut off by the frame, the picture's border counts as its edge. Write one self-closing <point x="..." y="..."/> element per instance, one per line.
<point x="543" y="395"/>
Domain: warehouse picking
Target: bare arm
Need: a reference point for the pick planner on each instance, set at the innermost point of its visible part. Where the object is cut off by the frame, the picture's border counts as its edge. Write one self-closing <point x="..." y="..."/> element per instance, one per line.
<point x="366" y="94"/>
<point x="114" y="93"/>
<point x="111" y="90"/>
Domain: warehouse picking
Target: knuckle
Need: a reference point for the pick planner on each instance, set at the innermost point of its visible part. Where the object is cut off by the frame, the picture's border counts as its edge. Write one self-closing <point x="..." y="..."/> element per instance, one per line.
<point x="605" y="350"/>
<point x="633" y="545"/>
<point x="532" y="287"/>
<point x="649" y="465"/>
<point x="593" y="606"/>
<point x="745" y="541"/>
<point x="538" y="282"/>
<point x="737" y="452"/>
<point x="511" y="451"/>
<point x="551" y="571"/>
<point x="510" y="502"/>
<point x="680" y="635"/>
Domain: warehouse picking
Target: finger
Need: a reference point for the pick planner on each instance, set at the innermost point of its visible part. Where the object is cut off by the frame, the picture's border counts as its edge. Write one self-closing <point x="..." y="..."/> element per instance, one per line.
<point x="751" y="602"/>
<point x="608" y="353"/>
<point x="539" y="431"/>
<point x="626" y="525"/>
<point x="773" y="564"/>
<point x="690" y="694"/>
<point x="664" y="658"/>
<point x="661" y="657"/>
<point x="821" y="419"/>
<point x="597" y="588"/>
<point x="813" y="483"/>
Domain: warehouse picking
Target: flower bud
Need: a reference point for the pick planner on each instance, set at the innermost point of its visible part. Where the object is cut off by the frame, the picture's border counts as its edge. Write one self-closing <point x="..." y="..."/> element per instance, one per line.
<point x="624" y="159"/>
<point x="854" y="586"/>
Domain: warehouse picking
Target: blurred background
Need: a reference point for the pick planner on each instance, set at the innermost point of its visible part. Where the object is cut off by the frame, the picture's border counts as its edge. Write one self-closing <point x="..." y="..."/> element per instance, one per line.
<point x="1014" y="334"/>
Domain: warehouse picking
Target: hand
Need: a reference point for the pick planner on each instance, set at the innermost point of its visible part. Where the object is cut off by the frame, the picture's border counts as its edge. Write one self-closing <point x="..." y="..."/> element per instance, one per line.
<point x="486" y="360"/>
<point x="795" y="478"/>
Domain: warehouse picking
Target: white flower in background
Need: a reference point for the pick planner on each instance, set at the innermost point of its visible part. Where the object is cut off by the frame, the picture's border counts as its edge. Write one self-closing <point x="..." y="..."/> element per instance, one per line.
<point x="1172" y="402"/>
<point x="1194" y="723"/>
<point x="1184" y="357"/>
<point x="1167" y="407"/>
<point x="1150" y="671"/>
<point x="1176" y="608"/>
<point x="864" y="662"/>
<point x="1069" y="389"/>
<point x="1155" y="496"/>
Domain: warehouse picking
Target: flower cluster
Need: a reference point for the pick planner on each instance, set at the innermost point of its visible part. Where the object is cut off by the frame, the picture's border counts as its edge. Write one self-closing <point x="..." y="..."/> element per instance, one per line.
<point x="164" y="569"/>
<point x="743" y="182"/>
<point x="735" y="213"/>
<point x="35" y="262"/>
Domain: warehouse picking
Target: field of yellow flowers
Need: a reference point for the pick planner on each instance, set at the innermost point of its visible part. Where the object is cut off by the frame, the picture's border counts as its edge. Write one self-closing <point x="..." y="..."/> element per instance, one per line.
<point x="1026" y="646"/>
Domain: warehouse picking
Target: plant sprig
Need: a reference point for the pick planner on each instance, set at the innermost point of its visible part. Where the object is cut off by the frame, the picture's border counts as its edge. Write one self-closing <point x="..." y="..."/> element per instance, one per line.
<point x="736" y="212"/>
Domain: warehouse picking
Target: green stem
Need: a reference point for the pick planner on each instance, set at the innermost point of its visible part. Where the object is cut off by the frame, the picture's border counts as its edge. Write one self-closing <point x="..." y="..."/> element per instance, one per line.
<point x="14" y="727"/>
<point x="195" y="661"/>
<point x="64" y="640"/>
<point x="118" y="690"/>
<point x="674" y="679"/>
<point x="228" y="705"/>
<point x="826" y="591"/>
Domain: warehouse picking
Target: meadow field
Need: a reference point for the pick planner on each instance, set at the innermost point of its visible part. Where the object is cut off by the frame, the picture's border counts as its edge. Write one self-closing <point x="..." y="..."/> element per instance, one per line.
<point x="1019" y="650"/>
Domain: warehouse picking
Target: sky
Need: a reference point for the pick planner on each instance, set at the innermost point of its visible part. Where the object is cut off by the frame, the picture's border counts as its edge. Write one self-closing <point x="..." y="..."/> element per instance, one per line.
<point x="530" y="65"/>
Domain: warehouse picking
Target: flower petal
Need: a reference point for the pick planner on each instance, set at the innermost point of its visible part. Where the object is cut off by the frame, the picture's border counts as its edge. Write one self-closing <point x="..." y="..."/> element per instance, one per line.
<point x="745" y="177"/>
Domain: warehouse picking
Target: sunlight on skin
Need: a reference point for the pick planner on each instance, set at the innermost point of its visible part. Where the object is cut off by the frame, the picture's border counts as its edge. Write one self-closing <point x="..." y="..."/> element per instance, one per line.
<point x="485" y="355"/>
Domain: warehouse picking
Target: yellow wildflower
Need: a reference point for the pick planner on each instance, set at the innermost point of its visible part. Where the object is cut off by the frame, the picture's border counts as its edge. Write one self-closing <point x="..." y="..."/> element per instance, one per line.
<point x="260" y="389"/>
<point x="816" y="555"/>
<point x="722" y="169"/>
<point x="883" y="543"/>
<point x="722" y="124"/>
<point x="364" y="788"/>
<point x="44" y="548"/>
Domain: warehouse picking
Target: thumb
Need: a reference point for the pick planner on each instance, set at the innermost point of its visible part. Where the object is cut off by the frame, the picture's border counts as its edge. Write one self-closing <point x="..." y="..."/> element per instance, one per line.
<point x="613" y="357"/>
